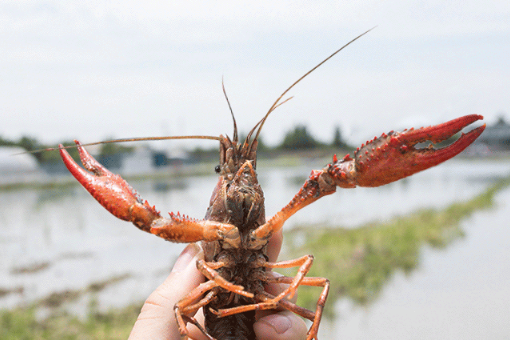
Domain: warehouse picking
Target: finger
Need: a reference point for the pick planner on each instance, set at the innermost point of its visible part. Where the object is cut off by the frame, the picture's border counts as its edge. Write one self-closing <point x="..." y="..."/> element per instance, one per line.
<point x="157" y="318"/>
<point x="284" y="325"/>
<point x="275" y="245"/>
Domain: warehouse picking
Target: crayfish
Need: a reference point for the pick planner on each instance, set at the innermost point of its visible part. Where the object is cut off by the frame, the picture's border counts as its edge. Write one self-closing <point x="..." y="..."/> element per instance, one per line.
<point x="234" y="233"/>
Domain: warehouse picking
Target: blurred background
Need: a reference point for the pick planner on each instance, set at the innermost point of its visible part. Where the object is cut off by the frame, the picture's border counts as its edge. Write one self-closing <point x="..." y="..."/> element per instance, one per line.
<point x="99" y="70"/>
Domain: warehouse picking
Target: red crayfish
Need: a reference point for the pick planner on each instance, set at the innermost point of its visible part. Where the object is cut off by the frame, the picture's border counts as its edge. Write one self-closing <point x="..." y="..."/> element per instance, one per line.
<point x="234" y="233"/>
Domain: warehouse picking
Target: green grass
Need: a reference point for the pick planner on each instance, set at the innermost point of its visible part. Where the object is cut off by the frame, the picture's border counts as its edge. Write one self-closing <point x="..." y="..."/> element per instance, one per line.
<point x="22" y="323"/>
<point x="357" y="261"/>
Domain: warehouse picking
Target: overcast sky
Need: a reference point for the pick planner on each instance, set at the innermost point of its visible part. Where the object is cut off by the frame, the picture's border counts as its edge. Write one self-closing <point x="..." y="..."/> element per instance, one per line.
<point x="99" y="69"/>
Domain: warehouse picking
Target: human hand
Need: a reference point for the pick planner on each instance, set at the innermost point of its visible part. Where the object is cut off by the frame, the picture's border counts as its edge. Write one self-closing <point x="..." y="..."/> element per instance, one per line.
<point x="157" y="318"/>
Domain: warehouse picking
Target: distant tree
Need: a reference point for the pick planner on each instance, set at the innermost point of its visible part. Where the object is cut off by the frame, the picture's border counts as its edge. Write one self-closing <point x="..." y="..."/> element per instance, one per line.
<point x="31" y="144"/>
<point x="338" y="141"/>
<point x="54" y="156"/>
<point x="109" y="149"/>
<point x="7" y="142"/>
<point x="299" y="138"/>
<point x="200" y="154"/>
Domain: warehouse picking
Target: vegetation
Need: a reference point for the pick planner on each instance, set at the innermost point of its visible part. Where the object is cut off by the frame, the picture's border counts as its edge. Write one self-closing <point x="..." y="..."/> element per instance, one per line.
<point x="109" y="149"/>
<point x="22" y="323"/>
<point x="338" y="141"/>
<point x="31" y="144"/>
<point x="299" y="138"/>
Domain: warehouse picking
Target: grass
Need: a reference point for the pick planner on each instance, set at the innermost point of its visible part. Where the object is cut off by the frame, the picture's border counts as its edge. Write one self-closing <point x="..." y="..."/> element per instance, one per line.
<point x="22" y="323"/>
<point x="57" y="299"/>
<point x="357" y="261"/>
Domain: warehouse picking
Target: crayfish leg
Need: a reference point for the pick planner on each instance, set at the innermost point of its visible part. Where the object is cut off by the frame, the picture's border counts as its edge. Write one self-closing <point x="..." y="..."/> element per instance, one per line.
<point x="188" y="306"/>
<point x="321" y="302"/>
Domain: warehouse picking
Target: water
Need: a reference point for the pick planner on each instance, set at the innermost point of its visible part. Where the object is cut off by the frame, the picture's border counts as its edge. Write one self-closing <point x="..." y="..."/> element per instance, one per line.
<point x="461" y="292"/>
<point x="70" y="241"/>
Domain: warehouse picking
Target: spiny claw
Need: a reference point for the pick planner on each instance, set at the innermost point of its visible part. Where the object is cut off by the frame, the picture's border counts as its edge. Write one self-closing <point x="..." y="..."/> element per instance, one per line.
<point x="110" y="190"/>
<point x="117" y="196"/>
<point x="393" y="156"/>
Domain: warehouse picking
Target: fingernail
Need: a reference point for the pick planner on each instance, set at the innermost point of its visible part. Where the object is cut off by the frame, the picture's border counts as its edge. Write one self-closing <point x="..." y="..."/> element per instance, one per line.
<point x="278" y="322"/>
<point x="187" y="255"/>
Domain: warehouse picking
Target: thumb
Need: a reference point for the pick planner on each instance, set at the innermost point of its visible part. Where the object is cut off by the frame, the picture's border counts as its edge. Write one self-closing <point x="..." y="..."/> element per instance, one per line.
<point x="157" y="318"/>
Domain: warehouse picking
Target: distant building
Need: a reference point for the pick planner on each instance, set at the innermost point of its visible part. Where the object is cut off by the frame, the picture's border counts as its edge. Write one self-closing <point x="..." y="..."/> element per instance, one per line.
<point x="496" y="137"/>
<point x="12" y="160"/>
<point x="16" y="166"/>
<point x="140" y="161"/>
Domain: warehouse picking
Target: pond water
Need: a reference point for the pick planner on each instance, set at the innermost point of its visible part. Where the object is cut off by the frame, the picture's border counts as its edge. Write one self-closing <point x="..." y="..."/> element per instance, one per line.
<point x="461" y="292"/>
<point x="61" y="239"/>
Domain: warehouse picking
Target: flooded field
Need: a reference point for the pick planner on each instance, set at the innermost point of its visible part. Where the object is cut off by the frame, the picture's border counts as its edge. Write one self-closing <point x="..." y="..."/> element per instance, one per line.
<point x="61" y="240"/>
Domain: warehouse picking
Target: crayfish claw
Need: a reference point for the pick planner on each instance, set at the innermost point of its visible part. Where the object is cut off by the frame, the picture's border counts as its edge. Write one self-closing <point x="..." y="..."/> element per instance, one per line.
<point x="90" y="163"/>
<point x="393" y="156"/>
<point x="440" y="132"/>
<point x="110" y="190"/>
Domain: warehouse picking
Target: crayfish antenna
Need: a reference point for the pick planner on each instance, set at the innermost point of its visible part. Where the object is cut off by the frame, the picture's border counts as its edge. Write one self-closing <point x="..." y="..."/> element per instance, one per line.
<point x="235" y="136"/>
<point x="277" y="102"/>
<point x="125" y="140"/>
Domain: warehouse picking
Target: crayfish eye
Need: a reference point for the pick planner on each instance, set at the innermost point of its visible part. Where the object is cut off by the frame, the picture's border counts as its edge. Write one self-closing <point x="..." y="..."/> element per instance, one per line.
<point x="217" y="169"/>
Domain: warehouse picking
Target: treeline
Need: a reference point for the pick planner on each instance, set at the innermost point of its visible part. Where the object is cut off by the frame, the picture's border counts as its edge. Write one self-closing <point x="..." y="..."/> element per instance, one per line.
<point x="31" y="144"/>
<point x="299" y="138"/>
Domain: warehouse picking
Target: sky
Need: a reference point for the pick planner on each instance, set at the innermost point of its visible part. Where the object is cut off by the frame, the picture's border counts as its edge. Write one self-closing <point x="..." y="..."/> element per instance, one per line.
<point x="93" y="70"/>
